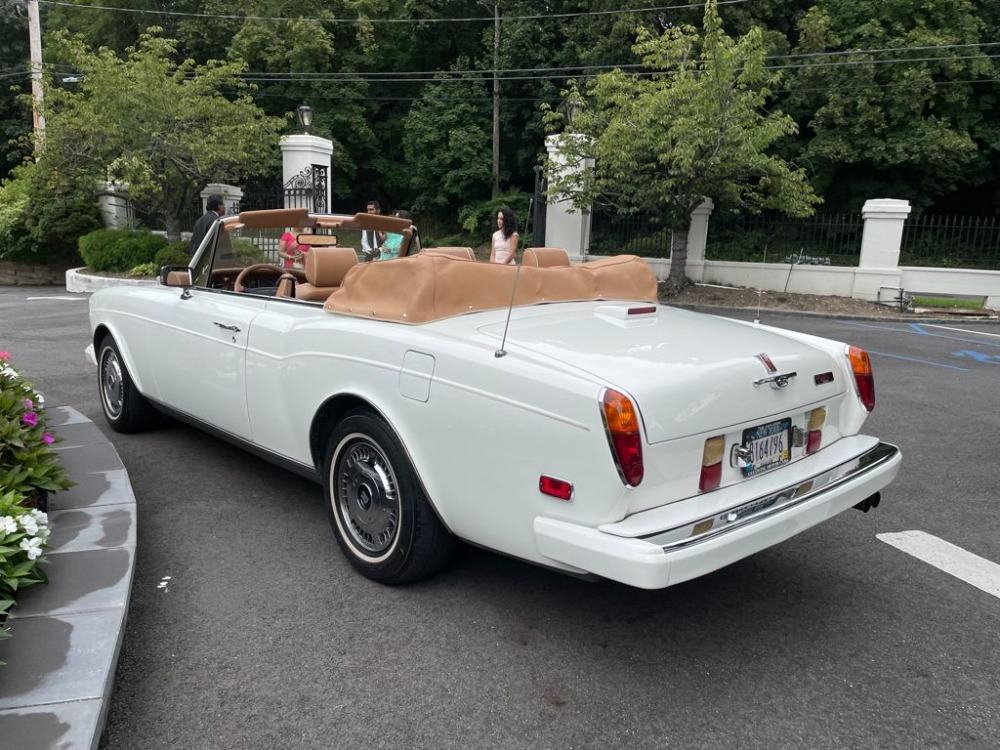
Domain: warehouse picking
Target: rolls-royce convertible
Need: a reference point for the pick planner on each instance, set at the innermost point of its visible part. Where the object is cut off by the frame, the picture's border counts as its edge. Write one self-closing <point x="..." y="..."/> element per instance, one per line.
<point x="550" y="411"/>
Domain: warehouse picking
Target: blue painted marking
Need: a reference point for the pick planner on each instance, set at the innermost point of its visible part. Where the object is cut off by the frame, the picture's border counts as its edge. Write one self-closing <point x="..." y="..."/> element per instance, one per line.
<point x="919" y="329"/>
<point x="990" y="359"/>
<point x="919" y="361"/>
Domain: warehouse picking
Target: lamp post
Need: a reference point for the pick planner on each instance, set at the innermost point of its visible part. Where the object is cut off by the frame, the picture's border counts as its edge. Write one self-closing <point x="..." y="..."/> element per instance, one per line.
<point x="305" y="113"/>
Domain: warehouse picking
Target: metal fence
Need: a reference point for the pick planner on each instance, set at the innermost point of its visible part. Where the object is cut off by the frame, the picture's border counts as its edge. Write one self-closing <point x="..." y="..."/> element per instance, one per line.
<point x="951" y="242"/>
<point x="612" y="233"/>
<point x="821" y="239"/>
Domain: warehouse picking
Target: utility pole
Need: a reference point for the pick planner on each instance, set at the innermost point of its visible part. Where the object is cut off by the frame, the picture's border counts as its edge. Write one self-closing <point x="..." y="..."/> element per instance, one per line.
<point x="496" y="99"/>
<point x="37" y="94"/>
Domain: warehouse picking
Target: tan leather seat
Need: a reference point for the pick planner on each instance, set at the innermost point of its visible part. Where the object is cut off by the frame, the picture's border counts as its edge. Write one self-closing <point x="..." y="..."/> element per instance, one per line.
<point x="325" y="271"/>
<point x="462" y="253"/>
<point x="546" y="257"/>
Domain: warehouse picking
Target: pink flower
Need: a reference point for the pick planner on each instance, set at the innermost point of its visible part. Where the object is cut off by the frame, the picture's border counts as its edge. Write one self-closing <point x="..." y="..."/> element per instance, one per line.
<point x="4" y="356"/>
<point x="30" y="418"/>
<point x="48" y="439"/>
<point x="28" y="404"/>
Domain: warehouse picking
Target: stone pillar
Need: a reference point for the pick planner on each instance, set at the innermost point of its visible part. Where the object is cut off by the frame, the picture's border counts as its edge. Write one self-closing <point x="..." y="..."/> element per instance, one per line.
<point x="301" y="151"/>
<point x="881" y="240"/>
<point x="231" y="194"/>
<point x="565" y="227"/>
<point x="113" y="205"/>
<point x="698" y="240"/>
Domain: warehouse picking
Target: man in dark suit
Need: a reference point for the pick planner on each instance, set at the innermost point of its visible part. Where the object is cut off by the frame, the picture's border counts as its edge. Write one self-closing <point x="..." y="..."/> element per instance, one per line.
<point x="216" y="206"/>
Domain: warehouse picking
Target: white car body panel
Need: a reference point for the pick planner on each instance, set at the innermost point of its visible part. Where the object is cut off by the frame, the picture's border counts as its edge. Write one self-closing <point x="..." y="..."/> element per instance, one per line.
<point x="481" y="429"/>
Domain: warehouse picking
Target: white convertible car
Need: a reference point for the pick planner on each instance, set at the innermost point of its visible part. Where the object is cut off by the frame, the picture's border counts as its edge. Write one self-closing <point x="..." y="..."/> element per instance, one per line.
<point x="553" y="412"/>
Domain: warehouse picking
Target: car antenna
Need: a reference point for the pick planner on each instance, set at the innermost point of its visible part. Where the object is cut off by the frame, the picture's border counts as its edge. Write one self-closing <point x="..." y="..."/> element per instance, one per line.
<point x="501" y="352"/>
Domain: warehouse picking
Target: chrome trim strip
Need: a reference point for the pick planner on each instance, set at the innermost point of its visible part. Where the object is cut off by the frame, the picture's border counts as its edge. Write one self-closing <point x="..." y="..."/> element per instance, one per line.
<point x="768" y="505"/>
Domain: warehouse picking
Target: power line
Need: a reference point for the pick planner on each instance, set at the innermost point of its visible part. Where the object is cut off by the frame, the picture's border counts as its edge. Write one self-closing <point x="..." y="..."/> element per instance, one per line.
<point x="475" y="19"/>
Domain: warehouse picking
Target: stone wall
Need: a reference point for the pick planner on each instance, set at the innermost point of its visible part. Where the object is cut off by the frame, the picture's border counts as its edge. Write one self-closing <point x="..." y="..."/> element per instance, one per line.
<point x="25" y="274"/>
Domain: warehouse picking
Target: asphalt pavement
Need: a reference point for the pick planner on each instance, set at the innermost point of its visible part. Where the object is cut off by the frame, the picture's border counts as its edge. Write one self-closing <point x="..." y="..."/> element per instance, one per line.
<point x="252" y="627"/>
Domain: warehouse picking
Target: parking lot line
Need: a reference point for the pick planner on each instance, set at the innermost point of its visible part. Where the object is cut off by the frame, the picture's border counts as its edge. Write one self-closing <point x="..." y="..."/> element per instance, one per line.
<point x="955" y="561"/>
<point x="919" y="361"/>
<point x="962" y="330"/>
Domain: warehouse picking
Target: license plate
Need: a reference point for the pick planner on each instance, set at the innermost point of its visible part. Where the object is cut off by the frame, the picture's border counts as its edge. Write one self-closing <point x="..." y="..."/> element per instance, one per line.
<point x="770" y="446"/>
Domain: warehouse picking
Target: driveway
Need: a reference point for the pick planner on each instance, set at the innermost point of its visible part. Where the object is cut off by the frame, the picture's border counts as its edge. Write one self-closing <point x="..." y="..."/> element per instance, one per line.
<point x="248" y="629"/>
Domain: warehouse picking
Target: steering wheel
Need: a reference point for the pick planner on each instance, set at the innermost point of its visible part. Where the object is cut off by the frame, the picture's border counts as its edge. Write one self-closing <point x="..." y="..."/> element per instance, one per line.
<point x="252" y="276"/>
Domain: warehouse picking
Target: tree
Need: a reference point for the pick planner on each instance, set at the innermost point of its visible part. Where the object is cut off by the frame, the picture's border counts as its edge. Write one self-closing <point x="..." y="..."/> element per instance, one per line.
<point x="694" y="126"/>
<point x="901" y="102"/>
<point x="165" y="128"/>
<point x="447" y="145"/>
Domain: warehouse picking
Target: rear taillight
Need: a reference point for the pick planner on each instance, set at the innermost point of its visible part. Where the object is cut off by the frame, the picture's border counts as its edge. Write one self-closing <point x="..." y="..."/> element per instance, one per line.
<point x="711" y="463"/>
<point x="814" y="434"/>
<point x="621" y="423"/>
<point x="864" y="381"/>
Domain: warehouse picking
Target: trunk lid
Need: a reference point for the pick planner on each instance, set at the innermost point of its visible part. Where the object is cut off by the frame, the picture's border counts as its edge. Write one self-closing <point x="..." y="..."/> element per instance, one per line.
<point x="688" y="373"/>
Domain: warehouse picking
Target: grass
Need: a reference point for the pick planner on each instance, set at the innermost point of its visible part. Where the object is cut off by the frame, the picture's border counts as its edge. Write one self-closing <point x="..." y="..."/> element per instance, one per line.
<point x="965" y="304"/>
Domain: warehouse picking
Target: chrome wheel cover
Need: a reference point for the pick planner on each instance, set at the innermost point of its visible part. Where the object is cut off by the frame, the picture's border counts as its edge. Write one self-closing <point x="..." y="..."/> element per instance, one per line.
<point x="366" y="497"/>
<point x="112" y="385"/>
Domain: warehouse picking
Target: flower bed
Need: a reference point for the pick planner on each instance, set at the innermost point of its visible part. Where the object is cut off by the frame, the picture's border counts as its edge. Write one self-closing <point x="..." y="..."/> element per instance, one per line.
<point x="29" y="470"/>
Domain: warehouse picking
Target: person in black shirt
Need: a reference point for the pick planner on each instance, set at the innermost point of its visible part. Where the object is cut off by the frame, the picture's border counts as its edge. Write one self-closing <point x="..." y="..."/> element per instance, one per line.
<point x="216" y="209"/>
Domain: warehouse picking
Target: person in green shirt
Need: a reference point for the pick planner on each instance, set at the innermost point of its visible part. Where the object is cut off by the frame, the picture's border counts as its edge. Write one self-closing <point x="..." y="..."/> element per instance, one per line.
<point x="393" y="241"/>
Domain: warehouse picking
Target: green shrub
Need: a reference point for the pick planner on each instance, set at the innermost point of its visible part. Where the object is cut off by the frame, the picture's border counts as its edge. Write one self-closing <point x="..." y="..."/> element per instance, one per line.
<point x="42" y="218"/>
<point x="119" y="250"/>
<point x="245" y="252"/>
<point x="144" y="269"/>
<point x="29" y="469"/>
<point x="480" y="219"/>
<point x="174" y="254"/>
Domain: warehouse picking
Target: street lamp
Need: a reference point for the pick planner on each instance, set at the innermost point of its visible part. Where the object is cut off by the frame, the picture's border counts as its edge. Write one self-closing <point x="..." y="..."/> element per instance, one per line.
<point x="305" y="113"/>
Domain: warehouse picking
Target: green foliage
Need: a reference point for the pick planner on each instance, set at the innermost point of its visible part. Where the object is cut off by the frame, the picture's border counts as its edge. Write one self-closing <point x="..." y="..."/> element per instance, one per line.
<point x="42" y="218"/>
<point x="913" y="124"/>
<point x="697" y="128"/>
<point x="174" y="254"/>
<point x="244" y="252"/>
<point x="28" y="466"/>
<point x="120" y="250"/>
<point x="480" y="219"/>
<point x="447" y="145"/>
<point x="163" y="127"/>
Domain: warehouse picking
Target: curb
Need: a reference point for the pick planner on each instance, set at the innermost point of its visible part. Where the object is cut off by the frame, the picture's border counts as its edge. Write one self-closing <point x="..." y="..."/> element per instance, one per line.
<point x="67" y="634"/>
<point x="78" y="281"/>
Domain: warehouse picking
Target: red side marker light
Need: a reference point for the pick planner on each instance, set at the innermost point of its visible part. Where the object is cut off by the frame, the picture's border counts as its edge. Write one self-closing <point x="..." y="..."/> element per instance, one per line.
<point x="557" y="488"/>
<point x="642" y="310"/>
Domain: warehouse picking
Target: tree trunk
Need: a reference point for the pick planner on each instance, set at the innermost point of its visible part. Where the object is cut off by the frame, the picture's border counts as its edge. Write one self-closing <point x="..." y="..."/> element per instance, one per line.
<point x="679" y="253"/>
<point x="173" y="227"/>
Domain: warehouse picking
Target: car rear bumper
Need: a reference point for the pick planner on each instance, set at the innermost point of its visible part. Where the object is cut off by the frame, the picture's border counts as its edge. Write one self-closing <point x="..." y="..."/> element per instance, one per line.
<point x="655" y="548"/>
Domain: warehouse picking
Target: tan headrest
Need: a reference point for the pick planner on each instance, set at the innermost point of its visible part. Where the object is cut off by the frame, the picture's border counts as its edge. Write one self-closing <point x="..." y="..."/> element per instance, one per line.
<point x="463" y="253"/>
<point x="546" y="257"/>
<point x="327" y="266"/>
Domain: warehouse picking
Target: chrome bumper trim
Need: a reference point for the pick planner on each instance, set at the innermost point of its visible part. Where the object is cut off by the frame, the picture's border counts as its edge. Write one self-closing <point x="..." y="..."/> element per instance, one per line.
<point x="768" y="505"/>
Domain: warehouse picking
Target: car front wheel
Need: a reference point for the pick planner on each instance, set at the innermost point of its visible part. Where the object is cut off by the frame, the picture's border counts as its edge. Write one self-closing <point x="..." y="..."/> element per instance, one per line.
<point x="124" y="407"/>
<point x="379" y="512"/>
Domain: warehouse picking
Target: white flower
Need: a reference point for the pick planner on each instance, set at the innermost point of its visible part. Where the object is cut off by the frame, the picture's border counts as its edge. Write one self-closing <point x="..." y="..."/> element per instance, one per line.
<point x="33" y="547"/>
<point x="29" y="524"/>
<point x="41" y="517"/>
<point x="7" y="525"/>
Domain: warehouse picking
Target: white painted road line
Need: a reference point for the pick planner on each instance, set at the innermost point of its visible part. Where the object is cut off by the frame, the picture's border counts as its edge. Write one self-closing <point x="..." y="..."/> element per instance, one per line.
<point x="972" y="569"/>
<point x="962" y="330"/>
<point x="57" y="297"/>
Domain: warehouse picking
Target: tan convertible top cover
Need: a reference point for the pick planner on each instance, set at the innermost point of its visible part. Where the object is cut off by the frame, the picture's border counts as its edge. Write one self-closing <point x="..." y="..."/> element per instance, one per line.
<point x="426" y="287"/>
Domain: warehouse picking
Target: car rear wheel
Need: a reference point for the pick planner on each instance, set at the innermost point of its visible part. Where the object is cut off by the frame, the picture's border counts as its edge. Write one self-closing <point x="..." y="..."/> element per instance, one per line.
<point x="379" y="512"/>
<point x="124" y="407"/>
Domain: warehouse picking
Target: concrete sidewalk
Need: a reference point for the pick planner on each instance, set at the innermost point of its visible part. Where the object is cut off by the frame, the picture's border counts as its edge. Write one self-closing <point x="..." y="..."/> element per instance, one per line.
<point x="61" y="659"/>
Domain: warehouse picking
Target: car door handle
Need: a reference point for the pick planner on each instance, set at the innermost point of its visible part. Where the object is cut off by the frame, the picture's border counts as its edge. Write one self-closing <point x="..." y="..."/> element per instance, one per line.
<point x="225" y="327"/>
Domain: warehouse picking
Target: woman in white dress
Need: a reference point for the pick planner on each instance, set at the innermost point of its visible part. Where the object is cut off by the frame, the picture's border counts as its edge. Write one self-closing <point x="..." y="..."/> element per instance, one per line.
<point x="505" y="239"/>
